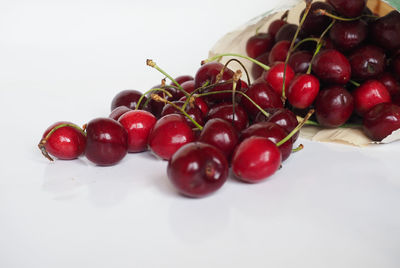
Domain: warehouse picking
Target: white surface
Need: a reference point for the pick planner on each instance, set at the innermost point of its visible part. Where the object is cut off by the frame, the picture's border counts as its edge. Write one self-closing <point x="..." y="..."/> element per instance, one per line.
<point x="330" y="205"/>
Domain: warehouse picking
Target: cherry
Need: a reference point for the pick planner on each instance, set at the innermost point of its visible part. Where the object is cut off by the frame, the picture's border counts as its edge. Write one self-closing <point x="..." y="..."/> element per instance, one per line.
<point x="381" y="121"/>
<point x="188" y="86"/>
<point x="332" y="67"/>
<point x="199" y="103"/>
<point x="274" y="76"/>
<point x="279" y="51"/>
<point x="117" y="112"/>
<point x="348" y="8"/>
<point x="256" y="70"/>
<point x="63" y="140"/>
<point x="300" y="60"/>
<point x="286" y="119"/>
<point x="396" y="64"/>
<point x="271" y="131"/>
<point x="263" y="95"/>
<point x="275" y="25"/>
<point x="182" y="79"/>
<point x="221" y="134"/>
<point x="385" y="31"/>
<point x="193" y="111"/>
<point x="107" y="141"/>
<point x="347" y="35"/>
<point x="259" y="44"/>
<point x="303" y="90"/>
<point x="315" y="24"/>
<point x="367" y="62"/>
<point x="333" y="106"/>
<point x="128" y="98"/>
<point x="197" y="169"/>
<point x="138" y="124"/>
<point x="286" y="32"/>
<point x="225" y="111"/>
<point x="255" y="159"/>
<point x="369" y="94"/>
<point x="169" y="134"/>
<point x="390" y="82"/>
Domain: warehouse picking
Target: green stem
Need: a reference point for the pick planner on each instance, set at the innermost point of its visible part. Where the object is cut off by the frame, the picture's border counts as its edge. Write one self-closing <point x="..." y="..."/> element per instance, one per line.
<point x="297" y="128"/>
<point x="262" y="65"/>
<point x="205" y="85"/>
<point x="299" y="148"/>
<point x="305" y="40"/>
<point x="243" y="67"/>
<point x="347" y="125"/>
<point x="186" y="114"/>
<point x="147" y="92"/>
<point x="354" y="83"/>
<point x="326" y="13"/>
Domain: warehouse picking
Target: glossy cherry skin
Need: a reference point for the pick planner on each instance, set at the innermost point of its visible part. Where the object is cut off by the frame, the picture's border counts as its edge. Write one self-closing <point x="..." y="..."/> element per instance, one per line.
<point x="315" y="24"/>
<point x="169" y="134"/>
<point x="197" y="169"/>
<point x="64" y="140"/>
<point x="303" y="90"/>
<point x="271" y="131"/>
<point x="385" y="31"/>
<point x="390" y="82"/>
<point x="275" y="25"/>
<point x="188" y="86"/>
<point x="107" y="141"/>
<point x="381" y="121"/>
<point x="279" y="51"/>
<point x="199" y="103"/>
<point x="256" y="70"/>
<point x="300" y="60"/>
<point x="367" y="62"/>
<point x="182" y="79"/>
<point x="332" y="67"/>
<point x="128" y="98"/>
<point x="225" y="111"/>
<point x="138" y="124"/>
<point x="274" y="76"/>
<point x="221" y="134"/>
<point x="263" y="95"/>
<point x="117" y="112"/>
<point x="286" y="32"/>
<point x="347" y="35"/>
<point x="259" y="44"/>
<point x="369" y="94"/>
<point x="333" y="106"/>
<point x="348" y="8"/>
<point x="193" y="111"/>
<point x="255" y="159"/>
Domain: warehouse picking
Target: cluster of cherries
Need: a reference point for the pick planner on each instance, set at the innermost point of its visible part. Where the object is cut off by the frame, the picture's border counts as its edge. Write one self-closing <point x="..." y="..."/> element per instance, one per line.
<point x="205" y="124"/>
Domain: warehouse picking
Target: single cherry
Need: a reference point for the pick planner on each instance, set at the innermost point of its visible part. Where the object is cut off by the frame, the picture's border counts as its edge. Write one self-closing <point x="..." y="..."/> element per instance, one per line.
<point x="332" y="67"/>
<point x="381" y="121"/>
<point x="259" y="44"/>
<point x="369" y="94"/>
<point x="367" y="62"/>
<point x="128" y="98"/>
<point x="385" y="31"/>
<point x="347" y="35"/>
<point x="225" y="111"/>
<point x="390" y="82"/>
<point x="256" y="70"/>
<point x="300" y="60"/>
<point x="286" y="119"/>
<point x="117" y="112"/>
<point x="348" y="8"/>
<point x="188" y="86"/>
<point x="199" y="103"/>
<point x="314" y="23"/>
<point x="287" y="32"/>
<point x="182" y="79"/>
<point x="279" y="51"/>
<point x="275" y="25"/>
<point x="274" y="76"/>
<point x="303" y="90"/>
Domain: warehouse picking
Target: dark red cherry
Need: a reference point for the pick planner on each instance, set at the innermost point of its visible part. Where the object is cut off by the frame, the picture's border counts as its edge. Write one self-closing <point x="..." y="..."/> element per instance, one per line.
<point x="188" y="86"/>
<point x="367" y="62"/>
<point x="347" y="35"/>
<point x="107" y="141"/>
<point x="263" y="95"/>
<point x="333" y="106"/>
<point x="300" y="60"/>
<point x="259" y="44"/>
<point x="138" y="124"/>
<point x="221" y="134"/>
<point x="274" y="76"/>
<point x="314" y="23"/>
<point x="117" y="112"/>
<point x="302" y="90"/>
<point x="225" y="111"/>
<point x="199" y="103"/>
<point x="63" y="140"/>
<point x="275" y="25"/>
<point x="169" y="134"/>
<point x="197" y="169"/>
<point x="381" y="121"/>
<point x="255" y="159"/>
<point x="182" y="79"/>
<point x="279" y="51"/>
<point x="271" y="131"/>
<point x="348" y="8"/>
<point x="385" y="31"/>
<point x="396" y="65"/>
<point x="390" y="82"/>
<point x="256" y="70"/>
<point x="369" y="94"/>
<point x="332" y="67"/>
<point x="286" y="119"/>
<point x="286" y="32"/>
<point x="155" y="107"/>
<point x="128" y="98"/>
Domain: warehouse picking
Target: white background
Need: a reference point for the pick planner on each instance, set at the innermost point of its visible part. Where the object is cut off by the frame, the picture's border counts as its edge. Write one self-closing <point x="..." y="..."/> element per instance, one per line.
<point x="329" y="206"/>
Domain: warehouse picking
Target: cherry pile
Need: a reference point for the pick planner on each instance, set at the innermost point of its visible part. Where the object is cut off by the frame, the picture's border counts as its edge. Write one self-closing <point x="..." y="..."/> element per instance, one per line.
<point x="341" y="61"/>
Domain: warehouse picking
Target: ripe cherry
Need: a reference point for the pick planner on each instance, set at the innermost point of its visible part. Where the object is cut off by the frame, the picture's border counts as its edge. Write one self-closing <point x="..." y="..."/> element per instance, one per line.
<point x="385" y="31"/>
<point x="348" y="8"/>
<point x="117" y="112"/>
<point x="199" y="103"/>
<point x="256" y="70"/>
<point x="274" y="76"/>
<point x="255" y="159"/>
<point x="225" y="111"/>
<point x="287" y="32"/>
<point x="367" y="62"/>
<point x="347" y="35"/>
<point x="300" y="60"/>
<point x="169" y="134"/>
<point x="275" y="25"/>
<point x="128" y="98"/>
<point x="303" y="90"/>
<point x="332" y="67"/>
<point x="63" y="140"/>
<point x="396" y="64"/>
<point x="193" y="111"/>
<point x="197" y="169"/>
<point x="279" y="51"/>
<point x="286" y="119"/>
<point x="390" y="82"/>
<point x="107" y="141"/>
<point x="369" y="94"/>
<point x="314" y="23"/>
<point x="188" y="86"/>
<point x="182" y="79"/>
<point x="138" y="124"/>
<point x="381" y="121"/>
<point x="259" y="44"/>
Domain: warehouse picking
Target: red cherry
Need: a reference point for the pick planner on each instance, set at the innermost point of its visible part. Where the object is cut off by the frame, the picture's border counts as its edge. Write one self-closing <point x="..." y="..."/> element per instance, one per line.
<point x="197" y="169"/>
<point x="348" y="8"/>
<point x="225" y="112"/>
<point x="255" y="159"/>
<point x="287" y="32"/>
<point x="117" y="112"/>
<point x="303" y="90"/>
<point x="107" y="141"/>
<point x="182" y="79"/>
<point x="300" y="60"/>
<point x="367" y="62"/>
<point x="286" y="119"/>
<point x="200" y="103"/>
<point x="256" y="70"/>
<point x="390" y="82"/>
<point x="332" y="67"/>
<point x="259" y="44"/>
<point x="63" y="140"/>
<point x="381" y="121"/>
<point x="193" y="111"/>
<point x="348" y="34"/>
<point x="128" y="98"/>
<point x="385" y="31"/>
<point x="138" y="124"/>
<point x="279" y="51"/>
<point x="315" y="24"/>
<point x="369" y="94"/>
<point x="274" y="76"/>
<point x="169" y="134"/>
<point x="188" y="86"/>
<point x="275" y="25"/>
<point x="396" y="64"/>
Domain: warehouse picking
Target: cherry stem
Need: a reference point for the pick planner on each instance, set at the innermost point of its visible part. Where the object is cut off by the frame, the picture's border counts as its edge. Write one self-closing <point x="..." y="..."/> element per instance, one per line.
<point x="296" y="129"/>
<point x="326" y="13"/>
<point x="308" y="7"/>
<point x="354" y="83"/>
<point x="219" y="56"/>
<point x="347" y="125"/>
<point x="152" y="64"/>
<point x="241" y="64"/>
<point x="147" y="92"/>
<point x="43" y="141"/>
<point x="299" y="148"/>
<point x="305" y="40"/>
<point x="160" y="99"/>
<point x="188" y="100"/>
